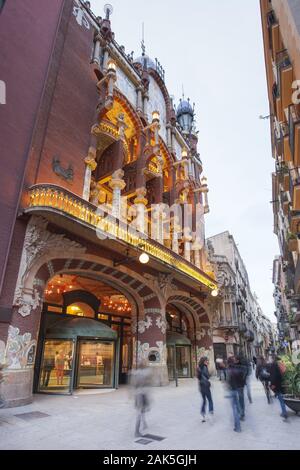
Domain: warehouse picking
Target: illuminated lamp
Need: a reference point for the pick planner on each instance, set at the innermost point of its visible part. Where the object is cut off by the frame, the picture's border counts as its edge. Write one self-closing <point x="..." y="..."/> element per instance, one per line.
<point x="144" y="258"/>
<point x="215" y="292"/>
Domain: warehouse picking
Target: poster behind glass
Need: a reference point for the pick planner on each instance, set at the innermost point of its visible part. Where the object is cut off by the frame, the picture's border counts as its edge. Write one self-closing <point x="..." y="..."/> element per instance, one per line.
<point x="57" y="366"/>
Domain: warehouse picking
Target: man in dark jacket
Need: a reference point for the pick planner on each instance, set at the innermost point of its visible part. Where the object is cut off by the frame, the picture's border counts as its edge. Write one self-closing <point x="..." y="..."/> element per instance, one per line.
<point x="242" y="366"/>
<point x="204" y="385"/>
<point x="236" y="382"/>
<point x="276" y="379"/>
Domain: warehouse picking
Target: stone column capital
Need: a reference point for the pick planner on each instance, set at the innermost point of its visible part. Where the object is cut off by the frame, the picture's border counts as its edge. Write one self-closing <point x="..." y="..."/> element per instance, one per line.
<point x="140" y="196"/>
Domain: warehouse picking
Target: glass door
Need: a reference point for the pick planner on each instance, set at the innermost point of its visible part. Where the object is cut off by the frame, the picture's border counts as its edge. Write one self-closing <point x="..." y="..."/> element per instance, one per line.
<point x="95" y="364"/>
<point x="57" y="366"/>
<point x="183" y="361"/>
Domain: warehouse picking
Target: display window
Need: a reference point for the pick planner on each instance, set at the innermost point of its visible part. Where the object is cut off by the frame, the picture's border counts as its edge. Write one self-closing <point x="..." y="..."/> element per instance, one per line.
<point x="96" y="364"/>
<point x="57" y="366"/>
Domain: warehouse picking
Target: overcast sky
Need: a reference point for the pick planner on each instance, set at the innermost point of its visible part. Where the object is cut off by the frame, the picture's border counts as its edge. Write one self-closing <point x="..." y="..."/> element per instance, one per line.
<point x="214" y="49"/>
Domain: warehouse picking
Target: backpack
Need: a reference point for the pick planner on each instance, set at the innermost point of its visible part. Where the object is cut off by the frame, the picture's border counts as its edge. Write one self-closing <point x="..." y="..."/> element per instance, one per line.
<point x="264" y="374"/>
<point x="282" y="367"/>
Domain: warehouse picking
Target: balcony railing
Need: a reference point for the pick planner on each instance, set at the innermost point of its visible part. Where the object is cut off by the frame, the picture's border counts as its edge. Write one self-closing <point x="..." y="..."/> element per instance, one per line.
<point x="282" y="61"/>
<point x="64" y="202"/>
<point x="294" y="118"/>
<point x="226" y="324"/>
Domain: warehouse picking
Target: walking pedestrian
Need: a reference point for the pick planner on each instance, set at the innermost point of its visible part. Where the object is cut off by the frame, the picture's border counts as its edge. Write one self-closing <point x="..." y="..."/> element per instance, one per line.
<point x="48" y="366"/>
<point x="277" y="371"/>
<point x="263" y="374"/>
<point x="241" y="363"/>
<point x="246" y="363"/>
<point x="205" y="387"/>
<point x="2" y="401"/>
<point x="141" y="380"/>
<point x="235" y="379"/>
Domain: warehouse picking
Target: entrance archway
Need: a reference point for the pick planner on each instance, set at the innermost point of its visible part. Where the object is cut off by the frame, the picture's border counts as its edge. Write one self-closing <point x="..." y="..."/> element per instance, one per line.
<point x="85" y="337"/>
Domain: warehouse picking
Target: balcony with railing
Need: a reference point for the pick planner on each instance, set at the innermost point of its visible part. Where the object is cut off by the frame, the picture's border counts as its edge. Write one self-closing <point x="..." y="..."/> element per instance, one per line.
<point x="284" y="77"/>
<point x="273" y="32"/>
<point x="294" y="134"/>
<point x="59" y="204"/>
<point x="225" y="324"/>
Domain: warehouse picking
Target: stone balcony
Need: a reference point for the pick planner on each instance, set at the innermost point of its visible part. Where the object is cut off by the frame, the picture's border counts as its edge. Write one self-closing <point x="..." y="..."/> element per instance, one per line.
<point x="52" y="199"/>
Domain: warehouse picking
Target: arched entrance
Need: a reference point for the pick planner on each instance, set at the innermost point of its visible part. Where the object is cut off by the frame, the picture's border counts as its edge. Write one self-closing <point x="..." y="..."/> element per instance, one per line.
<point x="85" y="338"/>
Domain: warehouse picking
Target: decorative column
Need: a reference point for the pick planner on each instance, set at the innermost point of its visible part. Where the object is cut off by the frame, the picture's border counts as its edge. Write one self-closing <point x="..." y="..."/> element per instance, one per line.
<point x="187" y="247"/>
<point x="145" y="103"/>
<point x="149" y="335"/>
<point x="139" y="106"/>
<point x="141" y="202"/>
<point x="97" y="50"/>
<point x="117" y="184"/>
<point x="197" y="248"/>
<point x="185" y="167"/>
<point x="204" y="190"/>
<point x="105" y="60"/>
<point x="176" y="232"/>
<point x="91" y="165"/>
<point x="169" y="137"/>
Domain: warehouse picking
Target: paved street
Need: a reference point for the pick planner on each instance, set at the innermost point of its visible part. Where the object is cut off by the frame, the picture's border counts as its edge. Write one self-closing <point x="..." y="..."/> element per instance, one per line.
<point x="106" y="421"/>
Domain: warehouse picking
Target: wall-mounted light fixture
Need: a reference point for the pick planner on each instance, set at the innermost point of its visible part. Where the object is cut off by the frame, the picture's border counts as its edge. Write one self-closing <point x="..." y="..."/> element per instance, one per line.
<point x="215" y="293"/>
<point x="155" y="116"/>
<point x="143" y="259"/>
<point x="184" y="153"/>
<point x="204" y="181"/>
<point x="111" y="66"/>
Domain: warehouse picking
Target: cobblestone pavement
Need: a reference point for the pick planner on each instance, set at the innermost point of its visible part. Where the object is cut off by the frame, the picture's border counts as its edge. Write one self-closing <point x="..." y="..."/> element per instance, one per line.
<point x="106" y="421"/>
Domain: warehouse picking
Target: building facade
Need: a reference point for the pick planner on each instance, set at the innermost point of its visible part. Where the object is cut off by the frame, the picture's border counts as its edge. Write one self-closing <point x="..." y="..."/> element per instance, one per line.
<point x="281" y="32"/>
<point x="239" y="326"/>
<point x="102" y="253"/>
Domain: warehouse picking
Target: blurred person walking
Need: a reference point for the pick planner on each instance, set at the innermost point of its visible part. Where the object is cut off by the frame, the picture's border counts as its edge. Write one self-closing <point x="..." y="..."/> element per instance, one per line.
<point x="277" y="371"/>
<point x="205" y="387"/>
<point x="2" y="401"/>
<point x="242" y="364"/>
<point x="141" y="380"/>
<point x="236" y="382"/>
<point x="247" y="364"/>
<point x="262" y="373"/>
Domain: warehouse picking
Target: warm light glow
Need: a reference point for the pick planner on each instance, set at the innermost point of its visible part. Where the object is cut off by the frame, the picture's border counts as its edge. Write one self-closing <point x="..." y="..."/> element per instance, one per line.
<point x="204" y="181"/>
<point x="155" y="116"/>
<point x="111" y="66"/>
<point x="144" y="258"/>
<point x="215" y="292"/>
<point x="74" y="308"/>
<point x="184" y="153"/>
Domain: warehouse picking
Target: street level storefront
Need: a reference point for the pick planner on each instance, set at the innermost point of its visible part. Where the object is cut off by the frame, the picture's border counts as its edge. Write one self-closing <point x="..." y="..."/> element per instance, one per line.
<point x="78" y="353"/>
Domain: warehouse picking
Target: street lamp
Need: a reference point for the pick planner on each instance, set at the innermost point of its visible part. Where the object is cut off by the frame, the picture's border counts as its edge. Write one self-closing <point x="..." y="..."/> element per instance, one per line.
<point x="111" y="66"/>
<point x="215" y="292"/>
<point x="155" y="116"/>
<point x="144" y="258"/>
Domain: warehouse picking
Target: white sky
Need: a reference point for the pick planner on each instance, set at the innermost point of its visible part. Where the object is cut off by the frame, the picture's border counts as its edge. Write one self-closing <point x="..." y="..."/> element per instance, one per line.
<point x="214" y="49"/>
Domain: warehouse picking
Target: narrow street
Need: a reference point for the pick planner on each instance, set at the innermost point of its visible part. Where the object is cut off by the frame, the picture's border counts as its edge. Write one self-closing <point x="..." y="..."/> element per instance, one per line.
<point x="106" y="421"/>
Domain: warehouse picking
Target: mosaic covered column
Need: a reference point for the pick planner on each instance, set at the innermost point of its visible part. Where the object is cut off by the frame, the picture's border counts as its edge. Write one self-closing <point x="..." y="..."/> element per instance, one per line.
<point x="204" y="345"/>
<point x="91" y="164"/>
<point x="141" y="202"/>
<point x="117" y="184"/>
<point x="19" y="350"/>
<point x="150" y="340"/>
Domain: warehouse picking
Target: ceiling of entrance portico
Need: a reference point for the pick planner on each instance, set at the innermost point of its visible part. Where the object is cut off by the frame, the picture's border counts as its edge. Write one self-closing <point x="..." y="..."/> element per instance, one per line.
<point x="60" y="284"/>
